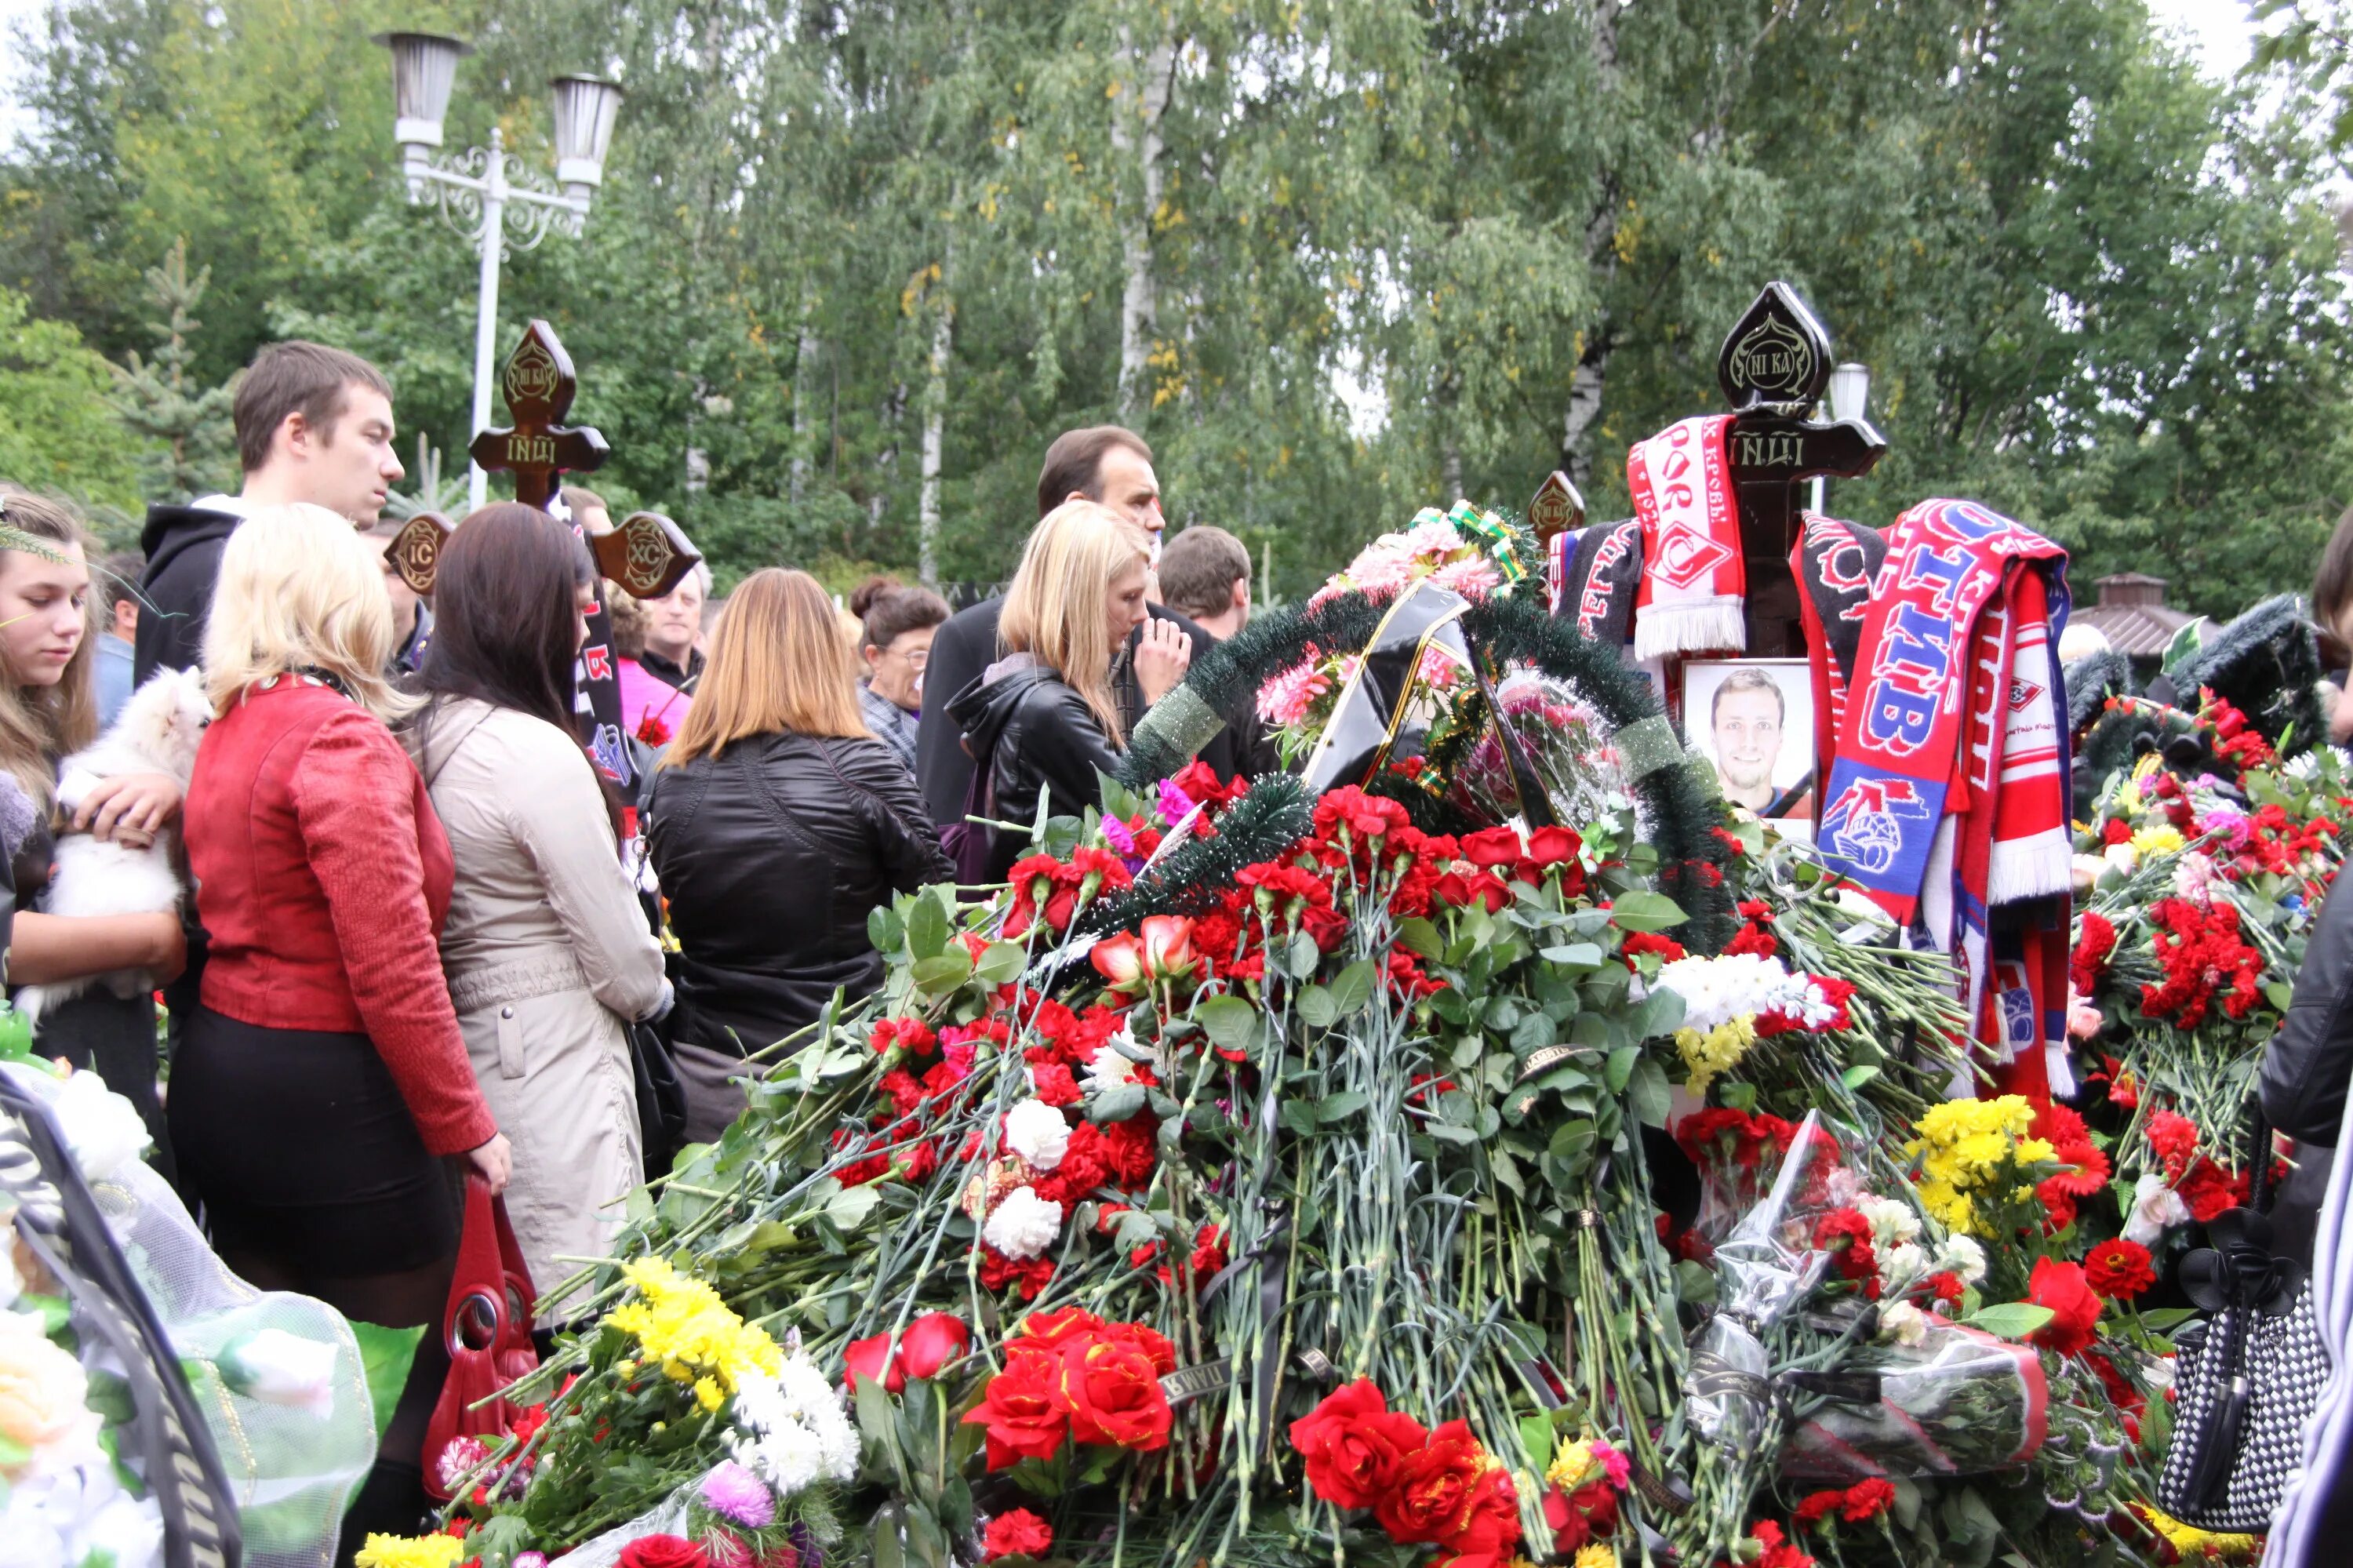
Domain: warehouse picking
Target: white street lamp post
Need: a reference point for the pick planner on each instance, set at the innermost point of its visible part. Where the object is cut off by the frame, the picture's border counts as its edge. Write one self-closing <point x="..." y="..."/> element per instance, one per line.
<point x="1850" y="395"/>
<point x="487" y="194"/>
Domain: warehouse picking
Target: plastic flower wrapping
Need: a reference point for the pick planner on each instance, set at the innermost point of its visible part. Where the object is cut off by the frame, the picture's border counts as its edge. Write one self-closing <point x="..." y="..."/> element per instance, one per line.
<point x="277" y="1399"/>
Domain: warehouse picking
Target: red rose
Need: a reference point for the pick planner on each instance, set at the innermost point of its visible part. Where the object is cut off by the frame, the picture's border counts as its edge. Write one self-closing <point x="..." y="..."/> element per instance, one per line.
<point x="1155" y="1345"/>
<point x="1435" y="1488"/>
<point x="2074" y="1310"/>
<point x="1355" y="1445"/>
<point x="1053" y="1331"/>
<point x="1024" y="1410"/>
<point x="1553" y="846"/>
<point x="1113" y="1384"/>
<point x="663" y="1552"/>
<point x="1484" y="888"/>
<point x="1491" y="849"/>
<point x="1491" y="1526"/>
<point x="1016" y="1532"/>
<point x="2119" y="1269"/>
<point x="930" y="1342"/>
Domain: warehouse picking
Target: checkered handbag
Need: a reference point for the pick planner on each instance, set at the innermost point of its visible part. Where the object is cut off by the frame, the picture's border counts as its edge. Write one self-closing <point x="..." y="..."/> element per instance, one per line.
<point x="2282" y="1366"/>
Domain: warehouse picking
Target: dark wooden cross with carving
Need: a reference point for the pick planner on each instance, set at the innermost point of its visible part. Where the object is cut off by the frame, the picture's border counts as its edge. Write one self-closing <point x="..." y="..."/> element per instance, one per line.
<point x="648" y="554"/>
<point x="1775" y="364"/>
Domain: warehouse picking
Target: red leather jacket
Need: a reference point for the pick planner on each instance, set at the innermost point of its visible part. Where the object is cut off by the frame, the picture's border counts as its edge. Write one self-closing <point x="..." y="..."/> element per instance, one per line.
<point x="322" y="876"/>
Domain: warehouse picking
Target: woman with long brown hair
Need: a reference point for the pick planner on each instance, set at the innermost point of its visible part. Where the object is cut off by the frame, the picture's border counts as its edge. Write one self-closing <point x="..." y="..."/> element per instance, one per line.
<point x="49" y="709"/>
<point x="547" y="950"/>
<point x="776" y="825"/>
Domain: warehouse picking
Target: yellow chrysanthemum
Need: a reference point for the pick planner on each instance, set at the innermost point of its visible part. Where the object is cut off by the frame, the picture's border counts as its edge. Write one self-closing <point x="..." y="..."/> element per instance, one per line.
<point x="2036" y="1151"/>
<point x="707" y="1393"/>
<point x="2163" y="839"/>
<point x="1717" y="1050"/>
<point x="1597" y="1555"/>
<point x="406" y="1551"/>
<point x="682" y="1324"/>
<point x="1571" y="1463"/>
<point x="2190" y="1544"/>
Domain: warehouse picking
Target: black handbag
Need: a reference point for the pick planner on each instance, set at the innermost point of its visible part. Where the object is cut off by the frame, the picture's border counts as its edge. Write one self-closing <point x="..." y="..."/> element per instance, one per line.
<point x="2247" y="1379"/>
<point x="662" y="1098"/>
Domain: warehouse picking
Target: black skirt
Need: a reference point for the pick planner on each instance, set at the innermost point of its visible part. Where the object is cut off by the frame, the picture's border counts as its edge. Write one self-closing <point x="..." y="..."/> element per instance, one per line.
<point x="301" y="1150"/>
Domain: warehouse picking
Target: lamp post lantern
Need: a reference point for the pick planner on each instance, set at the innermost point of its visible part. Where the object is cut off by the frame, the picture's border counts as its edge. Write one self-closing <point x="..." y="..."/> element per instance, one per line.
<point x="1850" y="397"/>
<point x="487" y="194"/>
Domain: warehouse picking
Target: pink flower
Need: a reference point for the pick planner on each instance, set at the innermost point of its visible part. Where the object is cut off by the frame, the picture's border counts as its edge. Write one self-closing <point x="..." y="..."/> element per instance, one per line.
<point x="2083" y="1019"/>
<point x="1284" y="700"/>
<point x="1168" y="946"/>
<point x="735" y="1493"/>
<point x="1618" y="1467"/>
<point x="1475" y="578"/>
<point x="1431" y="536"/>
<point x="1119" y="960"/>
<point x="1438" y="667"/>
<point x="1381" y="568"/>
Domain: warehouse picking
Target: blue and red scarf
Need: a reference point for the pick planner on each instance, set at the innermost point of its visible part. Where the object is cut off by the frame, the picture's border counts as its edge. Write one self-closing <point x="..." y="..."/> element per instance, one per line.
<point x="1947" y="792"/>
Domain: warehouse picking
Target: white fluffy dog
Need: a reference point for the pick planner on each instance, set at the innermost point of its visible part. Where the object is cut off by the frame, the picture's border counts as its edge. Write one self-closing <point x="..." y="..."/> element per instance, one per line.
<point x="157" y="732"/>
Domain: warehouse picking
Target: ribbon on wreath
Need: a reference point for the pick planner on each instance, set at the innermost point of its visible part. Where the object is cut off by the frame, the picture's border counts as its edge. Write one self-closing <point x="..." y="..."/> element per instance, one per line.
<point x="1492" y="538"/>
<point x="1947" y="784"/>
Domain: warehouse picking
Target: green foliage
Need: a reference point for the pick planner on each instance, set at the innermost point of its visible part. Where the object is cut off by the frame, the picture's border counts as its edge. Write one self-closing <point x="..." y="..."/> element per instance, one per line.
<point x="2094" y="289"/>
<point x="195" y="448"/>
<point x="57" y="433"/>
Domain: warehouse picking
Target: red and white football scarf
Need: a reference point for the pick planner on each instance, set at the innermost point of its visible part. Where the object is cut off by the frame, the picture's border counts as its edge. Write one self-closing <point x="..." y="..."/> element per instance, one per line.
<point x="1948" y="785"/>
<point x="1693" y="578"/>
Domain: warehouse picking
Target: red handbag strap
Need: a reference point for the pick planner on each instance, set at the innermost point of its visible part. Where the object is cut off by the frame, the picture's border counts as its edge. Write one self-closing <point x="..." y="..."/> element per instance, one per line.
<point x="516" y="1271"/>
<point x="480" y="1272"/>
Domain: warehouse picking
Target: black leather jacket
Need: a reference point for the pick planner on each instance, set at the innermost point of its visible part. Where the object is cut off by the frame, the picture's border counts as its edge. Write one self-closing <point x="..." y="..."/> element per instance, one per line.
<point x="1040" y="734"/>
<point x="2310" y="1061"/>
<point x="771" y="855"/>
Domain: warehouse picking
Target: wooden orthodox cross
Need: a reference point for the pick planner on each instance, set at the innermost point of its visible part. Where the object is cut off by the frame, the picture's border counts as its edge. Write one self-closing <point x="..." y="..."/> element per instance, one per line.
<point x="1775" y="364"/>
<point x="648" y="554"/>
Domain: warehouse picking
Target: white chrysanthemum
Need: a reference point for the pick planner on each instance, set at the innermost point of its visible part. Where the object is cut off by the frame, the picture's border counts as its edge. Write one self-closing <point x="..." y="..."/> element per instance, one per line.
<point x="1024" y="1225"/>
<point x="1107" y="1069"/>
<point x="102" y="1128"/>
<point x="2156" y="1208"/>
<point x="838" y="1439"/>
<point x="1900" y="1323"/>
<point x="1892" y="1220"/>
<point x="1963" y="1256"/>
<point x="788" y="1456"/>
<point x="1037" y="1133"/>
<point x="1742" y="985"/>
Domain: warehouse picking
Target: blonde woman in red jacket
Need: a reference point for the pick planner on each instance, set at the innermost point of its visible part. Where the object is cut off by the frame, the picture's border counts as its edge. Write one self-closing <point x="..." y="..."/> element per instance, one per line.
<point x="322" y="1093"/>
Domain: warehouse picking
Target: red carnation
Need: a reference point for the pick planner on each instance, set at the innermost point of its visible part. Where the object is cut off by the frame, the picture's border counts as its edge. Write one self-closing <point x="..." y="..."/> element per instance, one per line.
<point x="1355" y="1445"/>
<point x="2093" y="949"/>
<point x="1016" y="1532"/>
<point x="2119" y="1269"/>
<point x="2074" y="1310"/>
<point x="1816" y="1507"/>
<point x="1866" y="1499"/>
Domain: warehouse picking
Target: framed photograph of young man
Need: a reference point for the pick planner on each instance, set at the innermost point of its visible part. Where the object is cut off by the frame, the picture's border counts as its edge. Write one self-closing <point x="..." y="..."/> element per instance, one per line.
<point x="1754" y="719"/>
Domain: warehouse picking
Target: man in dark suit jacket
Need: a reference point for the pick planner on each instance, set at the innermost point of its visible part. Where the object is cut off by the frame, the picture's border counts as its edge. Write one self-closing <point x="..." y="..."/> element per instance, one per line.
<point x="1104" y="463"/>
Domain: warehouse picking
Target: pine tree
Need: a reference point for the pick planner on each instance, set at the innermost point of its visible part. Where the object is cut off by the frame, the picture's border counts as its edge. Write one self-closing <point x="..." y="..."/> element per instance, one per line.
<point x="158" y="400"/>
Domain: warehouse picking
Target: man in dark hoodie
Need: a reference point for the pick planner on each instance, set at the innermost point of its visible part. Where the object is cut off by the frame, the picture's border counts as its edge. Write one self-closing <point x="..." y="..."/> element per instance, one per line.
<point x="1105" y="463"/>
<point x="313" y="424"/>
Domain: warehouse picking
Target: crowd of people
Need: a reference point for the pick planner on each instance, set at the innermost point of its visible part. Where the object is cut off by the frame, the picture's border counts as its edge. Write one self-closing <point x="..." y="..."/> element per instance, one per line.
<point x="406" y="924"/>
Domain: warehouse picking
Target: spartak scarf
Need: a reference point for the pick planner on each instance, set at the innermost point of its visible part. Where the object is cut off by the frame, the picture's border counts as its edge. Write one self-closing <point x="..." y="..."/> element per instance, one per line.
<point x="1946" y="791"/>
<point x="1836" y="563"/>
<point x="1694" y="580"/>
<point x="1597" y="573"/>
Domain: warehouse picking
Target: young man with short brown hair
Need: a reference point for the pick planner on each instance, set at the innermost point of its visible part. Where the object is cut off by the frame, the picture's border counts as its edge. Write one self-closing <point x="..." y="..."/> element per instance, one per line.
<point x="313" y="424"/>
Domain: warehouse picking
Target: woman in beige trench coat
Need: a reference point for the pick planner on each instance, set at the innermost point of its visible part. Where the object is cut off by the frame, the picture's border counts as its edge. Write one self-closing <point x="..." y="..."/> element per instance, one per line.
<point x="547" y="950"/>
